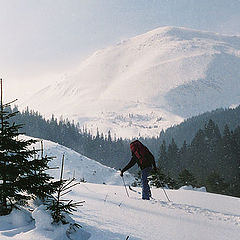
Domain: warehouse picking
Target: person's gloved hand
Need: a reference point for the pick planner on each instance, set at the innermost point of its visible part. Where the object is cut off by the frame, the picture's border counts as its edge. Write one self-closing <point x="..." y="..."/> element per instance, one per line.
<point x="121" y="173"/>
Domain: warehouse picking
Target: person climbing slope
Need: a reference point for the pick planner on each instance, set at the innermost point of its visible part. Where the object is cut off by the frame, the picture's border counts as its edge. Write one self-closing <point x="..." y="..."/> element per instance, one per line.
<point x="145" y="160"/>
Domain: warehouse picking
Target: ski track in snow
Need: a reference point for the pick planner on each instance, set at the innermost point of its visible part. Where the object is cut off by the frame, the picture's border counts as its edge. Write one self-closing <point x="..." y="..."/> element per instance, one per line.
<point x="210" y="214"/>
<point x="109" y="208"/>
<point x="188" y="209"/>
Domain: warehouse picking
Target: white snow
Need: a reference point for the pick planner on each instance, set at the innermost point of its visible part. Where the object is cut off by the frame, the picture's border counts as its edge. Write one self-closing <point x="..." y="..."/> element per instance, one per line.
<point x="108" y="214"/>
<point x="189" y="187"/>
<point x="148" y="83"/>
<point x="79" y="166"/>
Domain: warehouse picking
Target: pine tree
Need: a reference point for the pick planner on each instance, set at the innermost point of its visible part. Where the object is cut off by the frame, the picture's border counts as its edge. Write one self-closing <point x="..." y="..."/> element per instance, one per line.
<point x="183" y="156"/>
<point x="39" y="181"/>
<point x="58" y="206"/>
<point x="186" y="178"/>
<point x="216" y="184"/>
<point x="198" y="152"/>
<point x="213" y="144"/>
<point x="158" y="178"/>
<point x="235" y="184"/>
<point x="163" y="160"/>
<point x="173" y="158"/>
<point x="14" y="167"/>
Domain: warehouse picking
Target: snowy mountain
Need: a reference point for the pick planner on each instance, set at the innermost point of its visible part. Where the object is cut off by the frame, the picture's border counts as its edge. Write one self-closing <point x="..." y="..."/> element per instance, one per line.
<point x="148" y="82"/>
<point x="81" y="167"/>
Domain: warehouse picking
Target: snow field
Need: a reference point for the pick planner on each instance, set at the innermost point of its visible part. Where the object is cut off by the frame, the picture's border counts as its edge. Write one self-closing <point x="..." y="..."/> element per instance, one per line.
<point x="108" y="214"/>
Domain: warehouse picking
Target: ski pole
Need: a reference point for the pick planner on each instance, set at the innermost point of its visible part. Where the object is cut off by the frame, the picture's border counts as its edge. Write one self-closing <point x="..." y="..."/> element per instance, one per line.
<point x="124" y="185"/>
<point x="166" y="194"/>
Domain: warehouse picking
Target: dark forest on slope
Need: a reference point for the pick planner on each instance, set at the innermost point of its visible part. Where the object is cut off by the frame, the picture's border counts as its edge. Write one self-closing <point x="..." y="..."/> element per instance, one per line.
<point x="207" y="145"/>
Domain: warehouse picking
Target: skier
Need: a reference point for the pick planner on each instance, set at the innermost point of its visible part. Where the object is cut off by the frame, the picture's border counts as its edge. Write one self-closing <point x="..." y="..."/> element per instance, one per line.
<point x="145" y="160"/>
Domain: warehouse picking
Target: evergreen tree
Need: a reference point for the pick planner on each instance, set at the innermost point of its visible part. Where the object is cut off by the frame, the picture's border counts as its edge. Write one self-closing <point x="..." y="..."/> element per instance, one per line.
<point x="173" y="158"/>
<point x="183" y="156"/>
<point x="58" y="206"/>
<point x="227" y="155"/>
<point x="186" y="178"/>
<point x="171" y="182"/>
<point x="14" y="165"/>
<point x="198" y="164"/>
<point x="158" y="178"/>
<point x="235" y="185"/>
<point x="163" y="161"/>
<point x="216" y="184"/>
<point x="39" y="181"/>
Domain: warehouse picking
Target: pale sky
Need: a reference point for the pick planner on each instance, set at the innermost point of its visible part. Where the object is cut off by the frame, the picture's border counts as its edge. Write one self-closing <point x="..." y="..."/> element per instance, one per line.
<point x="41" y="40"/>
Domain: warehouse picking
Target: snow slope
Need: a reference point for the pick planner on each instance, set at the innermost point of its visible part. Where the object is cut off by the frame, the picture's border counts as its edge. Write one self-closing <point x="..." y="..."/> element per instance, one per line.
<point x="108" y="214"/>
<point x="148" y="82"/>
<point x="79" y="166"/>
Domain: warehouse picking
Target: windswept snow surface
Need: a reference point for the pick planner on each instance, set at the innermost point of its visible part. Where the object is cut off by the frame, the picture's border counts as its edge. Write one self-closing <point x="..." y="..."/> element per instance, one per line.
<point x="148" y="83"/>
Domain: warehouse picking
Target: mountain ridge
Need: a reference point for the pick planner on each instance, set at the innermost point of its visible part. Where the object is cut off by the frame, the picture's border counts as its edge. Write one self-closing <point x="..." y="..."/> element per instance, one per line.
<point x="169" y="73"/>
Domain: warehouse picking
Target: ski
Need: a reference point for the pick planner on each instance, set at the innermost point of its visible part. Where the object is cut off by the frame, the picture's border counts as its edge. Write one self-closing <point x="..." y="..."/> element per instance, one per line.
<point x="133" y="190"/>
<point x="130" y="188"/>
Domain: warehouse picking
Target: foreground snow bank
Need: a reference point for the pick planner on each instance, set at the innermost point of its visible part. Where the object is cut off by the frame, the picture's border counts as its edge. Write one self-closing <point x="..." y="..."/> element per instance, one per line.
<point x="45" y="228"/>
<point x="189" y="187"/>
<point x="18" y="218"/>
<point x="23" y="225"/>
<point x="109" y="214"/>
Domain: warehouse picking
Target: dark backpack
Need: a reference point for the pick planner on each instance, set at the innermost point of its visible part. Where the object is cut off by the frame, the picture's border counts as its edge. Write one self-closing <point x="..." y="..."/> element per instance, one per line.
<point x="142" y="153"/>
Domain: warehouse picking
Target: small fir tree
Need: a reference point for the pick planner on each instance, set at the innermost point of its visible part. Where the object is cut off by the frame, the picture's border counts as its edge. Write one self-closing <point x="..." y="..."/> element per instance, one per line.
<point x="58" y="206"/>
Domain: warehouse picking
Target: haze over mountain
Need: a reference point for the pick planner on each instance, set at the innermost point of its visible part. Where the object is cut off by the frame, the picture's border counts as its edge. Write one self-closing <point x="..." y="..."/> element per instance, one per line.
<point x="43" y="40"/>
<point x="148" y="82"/>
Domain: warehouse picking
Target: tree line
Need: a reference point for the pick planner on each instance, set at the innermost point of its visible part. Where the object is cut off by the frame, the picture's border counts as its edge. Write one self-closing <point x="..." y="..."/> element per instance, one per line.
<point x="108" y="150"/>
<point x="210" y="155"/>
<point x="189" y="127"/>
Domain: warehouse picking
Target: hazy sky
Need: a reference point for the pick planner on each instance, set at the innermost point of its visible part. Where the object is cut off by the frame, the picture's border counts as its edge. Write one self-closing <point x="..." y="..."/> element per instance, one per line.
<point x="43" y="39"/>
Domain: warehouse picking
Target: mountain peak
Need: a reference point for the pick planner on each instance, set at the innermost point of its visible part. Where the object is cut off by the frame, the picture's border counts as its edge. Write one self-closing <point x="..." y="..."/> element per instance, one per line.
<point x="149" y="82"/>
